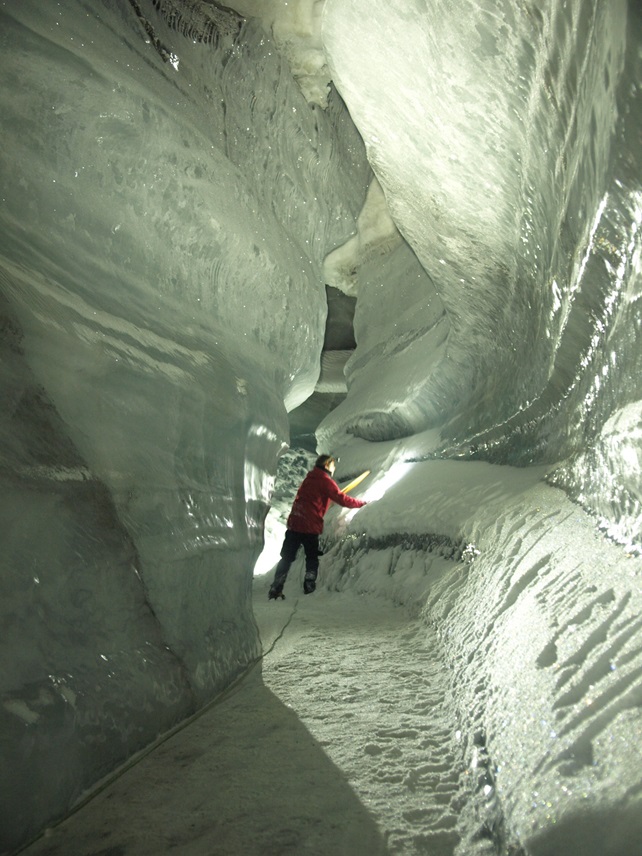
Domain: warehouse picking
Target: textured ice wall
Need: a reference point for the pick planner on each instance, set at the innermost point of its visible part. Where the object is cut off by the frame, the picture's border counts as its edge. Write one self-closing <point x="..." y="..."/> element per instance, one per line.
<point x="168" y="199"/>
<point x="296" y="30"/>
<point x="539" y="621"/>
<point x="544" y="636"/>
<point x="491" y="134"/>
<point x="507" y="145"/>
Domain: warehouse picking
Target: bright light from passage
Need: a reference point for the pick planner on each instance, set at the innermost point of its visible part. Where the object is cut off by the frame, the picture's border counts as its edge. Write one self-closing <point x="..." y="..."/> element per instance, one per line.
<point x="274" y="534"/>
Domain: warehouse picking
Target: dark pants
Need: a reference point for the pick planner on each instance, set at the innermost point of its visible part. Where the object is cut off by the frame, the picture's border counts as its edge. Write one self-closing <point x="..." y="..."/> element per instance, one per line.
<point x="291" y="544"/>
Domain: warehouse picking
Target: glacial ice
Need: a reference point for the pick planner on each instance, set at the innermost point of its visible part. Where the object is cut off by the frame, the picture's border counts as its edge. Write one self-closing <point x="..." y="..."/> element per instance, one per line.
<point x="178" y="186"/>
<point x="491" y="135"/>
<point x="164" y="226"/>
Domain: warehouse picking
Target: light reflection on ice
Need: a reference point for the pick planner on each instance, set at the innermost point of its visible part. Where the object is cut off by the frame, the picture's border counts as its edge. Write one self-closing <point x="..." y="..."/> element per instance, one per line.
<point x="384" y="482"/>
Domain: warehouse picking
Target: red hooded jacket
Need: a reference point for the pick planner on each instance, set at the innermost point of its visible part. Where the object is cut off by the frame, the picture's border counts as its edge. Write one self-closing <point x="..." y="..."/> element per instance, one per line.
<point x="318" y="489"/>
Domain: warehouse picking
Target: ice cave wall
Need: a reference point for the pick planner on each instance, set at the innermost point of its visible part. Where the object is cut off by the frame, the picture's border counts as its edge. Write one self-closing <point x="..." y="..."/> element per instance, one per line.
<point x="520" y="203"/>
<point x="509" y="121"/>
<point x="518" y="291"/>
<point x="168" y="198"/>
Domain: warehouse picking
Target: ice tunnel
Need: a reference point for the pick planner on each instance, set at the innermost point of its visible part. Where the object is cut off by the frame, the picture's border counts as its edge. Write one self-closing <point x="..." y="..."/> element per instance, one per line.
<point x="404" y="232"/>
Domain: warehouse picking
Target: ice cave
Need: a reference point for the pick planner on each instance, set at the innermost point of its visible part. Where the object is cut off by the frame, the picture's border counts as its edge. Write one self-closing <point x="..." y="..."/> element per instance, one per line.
<point x="404" y="232"/>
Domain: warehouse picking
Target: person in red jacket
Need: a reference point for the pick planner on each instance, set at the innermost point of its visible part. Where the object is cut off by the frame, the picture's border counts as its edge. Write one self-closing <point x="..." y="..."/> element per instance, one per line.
<point x="305" y="523"/>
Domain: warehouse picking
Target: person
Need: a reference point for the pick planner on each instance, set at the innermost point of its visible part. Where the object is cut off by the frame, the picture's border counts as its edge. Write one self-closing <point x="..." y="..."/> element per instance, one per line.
<point x="305" y="523"/>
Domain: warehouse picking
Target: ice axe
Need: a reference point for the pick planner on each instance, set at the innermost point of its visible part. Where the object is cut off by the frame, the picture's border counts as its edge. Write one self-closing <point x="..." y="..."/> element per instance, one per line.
<point x="355" y="482"/>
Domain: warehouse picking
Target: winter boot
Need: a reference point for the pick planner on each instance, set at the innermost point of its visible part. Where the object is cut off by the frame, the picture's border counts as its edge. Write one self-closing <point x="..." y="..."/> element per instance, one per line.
<point x="276" y="593"/>
<point x="309" y="584"/>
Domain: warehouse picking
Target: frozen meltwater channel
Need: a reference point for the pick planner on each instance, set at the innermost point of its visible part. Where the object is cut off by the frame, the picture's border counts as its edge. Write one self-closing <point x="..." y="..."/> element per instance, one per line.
<point x="372" y="688"/>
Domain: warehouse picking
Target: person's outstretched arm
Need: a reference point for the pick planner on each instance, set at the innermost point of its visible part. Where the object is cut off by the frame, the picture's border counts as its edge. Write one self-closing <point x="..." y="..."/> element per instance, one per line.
<point x="341" y="498"/>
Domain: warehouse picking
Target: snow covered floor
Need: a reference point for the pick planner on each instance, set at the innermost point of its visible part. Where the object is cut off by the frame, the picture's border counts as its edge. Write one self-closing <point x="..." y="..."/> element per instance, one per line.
<point x="344" y="746"/>
<point x="366" y="681"/>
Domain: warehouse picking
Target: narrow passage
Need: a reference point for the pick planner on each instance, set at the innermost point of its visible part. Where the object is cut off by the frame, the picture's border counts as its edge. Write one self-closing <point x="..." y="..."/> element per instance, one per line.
<point x="366" y="680"/>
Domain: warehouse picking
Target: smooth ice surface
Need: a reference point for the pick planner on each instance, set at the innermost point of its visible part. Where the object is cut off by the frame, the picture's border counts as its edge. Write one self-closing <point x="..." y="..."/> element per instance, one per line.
<point x="179" y="187"/>
<point x="505" y="143"/>
<point x="165" y="216"/>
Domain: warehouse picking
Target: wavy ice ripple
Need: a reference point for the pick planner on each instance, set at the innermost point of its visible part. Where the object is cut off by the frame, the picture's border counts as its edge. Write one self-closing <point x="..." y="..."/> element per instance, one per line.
<point x="507" y="144"/>
<point x="491" y="136"/>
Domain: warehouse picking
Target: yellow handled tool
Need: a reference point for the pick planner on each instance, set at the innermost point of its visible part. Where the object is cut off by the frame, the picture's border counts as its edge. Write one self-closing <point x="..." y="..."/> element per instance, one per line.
<point x="356" y="481"/>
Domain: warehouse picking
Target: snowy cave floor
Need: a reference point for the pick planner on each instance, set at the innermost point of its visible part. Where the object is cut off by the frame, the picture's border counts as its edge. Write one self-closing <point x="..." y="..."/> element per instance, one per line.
<point x="340" y="744"/>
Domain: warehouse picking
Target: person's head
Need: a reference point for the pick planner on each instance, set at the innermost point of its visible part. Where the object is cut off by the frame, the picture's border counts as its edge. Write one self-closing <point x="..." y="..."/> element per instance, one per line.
<point x="327" y="463"/>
